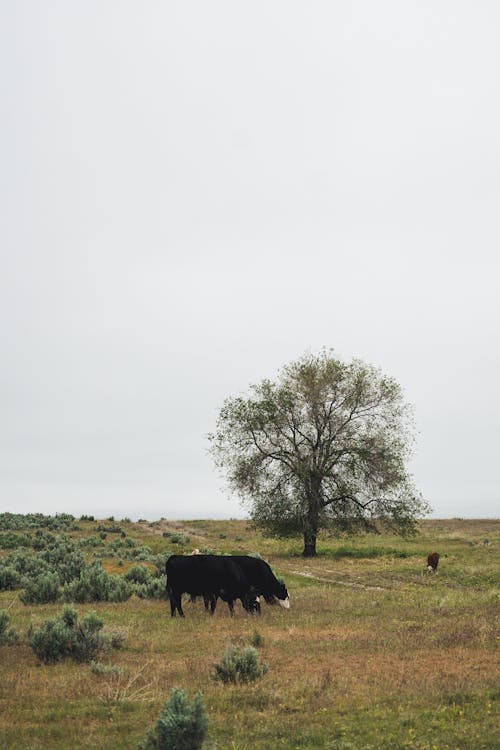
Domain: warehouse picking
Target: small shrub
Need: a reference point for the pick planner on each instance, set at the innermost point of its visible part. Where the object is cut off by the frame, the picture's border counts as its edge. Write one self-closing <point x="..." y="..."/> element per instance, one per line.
<point x="67" y="637"/>
<point x="43" y="589"/>
<point x="10" y="578"/>
<point x="240" y="665"/>
<point x="154" y="589"/>
<point x="181" y="725"/>
<point x="108" y="670"/>
<point x="257" y="640"/>
<point x="138" y="574"/>
<point x="8" y="636"/>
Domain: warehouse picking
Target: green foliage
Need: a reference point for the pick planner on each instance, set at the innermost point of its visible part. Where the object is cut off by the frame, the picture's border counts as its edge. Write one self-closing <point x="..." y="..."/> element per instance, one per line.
<point x="19" y="521"/>
<point x="240" y="665"/>
<point x="112" y="528"/>
<point x="8" y="636"/>
<point x="181" y="725"/>
<point x="10" y="540"/>
<point x="10" y="578"/>
<point x="154" y="589"/>
<point x="41" y="590"/>
<point x="138" y="574"/>
<point x="179" y="539"/>
<point x="97" y="585"/>
<point x="257" y="640"/>
<point x="68" y="637"/>
<point x="65" y="559"/>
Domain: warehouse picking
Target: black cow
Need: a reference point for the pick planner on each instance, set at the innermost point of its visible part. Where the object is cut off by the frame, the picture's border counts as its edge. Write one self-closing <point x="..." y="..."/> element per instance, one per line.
<point x="210" y="576"/>
<point x="262" y="580"/>
<point x="432" y="562"/>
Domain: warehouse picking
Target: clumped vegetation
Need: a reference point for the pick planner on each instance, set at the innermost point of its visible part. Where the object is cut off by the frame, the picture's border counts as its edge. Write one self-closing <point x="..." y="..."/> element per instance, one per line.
<point x="181" y="725"/>
<point x="21" y="521"/>
<point x="257" y="641"/>
<point x="8" y="636"/>
<point x="96" y="585"/>
<point x="53" y="566"/>
<point x="68" y="637"/>
<point x="41" y="590"/>
<point x="240" y="665"/>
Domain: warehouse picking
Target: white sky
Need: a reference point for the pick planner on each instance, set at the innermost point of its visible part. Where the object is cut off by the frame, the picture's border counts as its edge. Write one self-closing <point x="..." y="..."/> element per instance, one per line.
<point x="193" y="194"/>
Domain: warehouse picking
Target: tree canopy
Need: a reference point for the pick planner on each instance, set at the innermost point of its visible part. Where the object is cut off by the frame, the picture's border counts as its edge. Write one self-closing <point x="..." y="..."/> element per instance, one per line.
<point x="324" y="446"/>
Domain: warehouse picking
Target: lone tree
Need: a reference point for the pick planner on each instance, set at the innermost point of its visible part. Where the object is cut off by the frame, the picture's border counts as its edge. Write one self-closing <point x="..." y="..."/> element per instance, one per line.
<point x="322" y="447"/>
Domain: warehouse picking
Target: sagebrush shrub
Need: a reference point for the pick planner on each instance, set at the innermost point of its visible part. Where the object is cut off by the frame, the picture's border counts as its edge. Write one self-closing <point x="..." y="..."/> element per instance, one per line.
<point x="138" y="574"/>
<point x="240" y="665"/>
<point x="154" y="589"/>
<point x="68" y="637"/>
<point x="181" y="725"/>
<point x="41" y="590"/>
<point x="8" y="636"/>
<point x="95" y="585"/>
<point x="10" y="578"/>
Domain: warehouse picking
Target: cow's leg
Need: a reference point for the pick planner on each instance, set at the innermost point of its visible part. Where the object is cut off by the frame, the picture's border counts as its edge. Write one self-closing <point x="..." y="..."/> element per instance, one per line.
<point x="172" y="599"/>
<point x="213" y="603"/>
<point x="179" y="605"/>
<point x="230" y="604"/>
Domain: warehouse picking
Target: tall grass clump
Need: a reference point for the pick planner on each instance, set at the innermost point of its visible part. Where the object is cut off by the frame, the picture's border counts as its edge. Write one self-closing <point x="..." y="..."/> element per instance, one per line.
<point x="67" y="637"/>
<point x="181" y="725"/>
<point x="8" y="636"/>
<point x="240" y="665"/>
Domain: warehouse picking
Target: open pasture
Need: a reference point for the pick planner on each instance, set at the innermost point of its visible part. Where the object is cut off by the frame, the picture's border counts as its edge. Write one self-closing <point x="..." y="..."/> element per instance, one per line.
<point x="374" y="652"/>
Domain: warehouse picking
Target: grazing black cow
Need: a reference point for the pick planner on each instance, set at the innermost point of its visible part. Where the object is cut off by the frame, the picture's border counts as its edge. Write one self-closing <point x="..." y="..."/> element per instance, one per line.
<point x="432" y="562"/>
<point x="210" y="576"/>
<point x="262" y="580"/>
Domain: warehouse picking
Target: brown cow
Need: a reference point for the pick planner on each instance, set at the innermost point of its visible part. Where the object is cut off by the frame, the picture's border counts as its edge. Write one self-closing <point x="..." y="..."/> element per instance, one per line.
<point x="432" y="562"/>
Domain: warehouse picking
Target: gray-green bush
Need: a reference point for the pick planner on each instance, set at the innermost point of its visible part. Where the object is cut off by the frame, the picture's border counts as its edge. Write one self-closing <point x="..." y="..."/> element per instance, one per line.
<point x="43" y="589"/>
<point x="181" y="725"/>
<point x="138" y="574"/>
<point x="240" y="665"/>
<point x="67" y="637"/>
<point x="96" y="584"/>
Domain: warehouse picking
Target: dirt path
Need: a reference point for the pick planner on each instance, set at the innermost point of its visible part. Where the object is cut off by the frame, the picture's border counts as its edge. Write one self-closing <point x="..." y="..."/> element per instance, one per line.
<point x="339" y="583"/>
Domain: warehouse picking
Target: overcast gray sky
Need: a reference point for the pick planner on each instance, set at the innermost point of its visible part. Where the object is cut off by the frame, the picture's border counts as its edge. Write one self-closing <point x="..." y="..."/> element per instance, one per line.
<point x="193" y="194"/>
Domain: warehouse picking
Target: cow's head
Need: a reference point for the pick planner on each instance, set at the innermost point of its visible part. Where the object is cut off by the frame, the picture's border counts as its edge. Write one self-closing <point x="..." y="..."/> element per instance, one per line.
<point x="282" y="596"/>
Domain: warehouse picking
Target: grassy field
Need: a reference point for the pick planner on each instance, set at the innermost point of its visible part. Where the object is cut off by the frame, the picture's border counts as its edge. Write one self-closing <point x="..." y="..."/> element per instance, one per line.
<point x="374" y="652"/>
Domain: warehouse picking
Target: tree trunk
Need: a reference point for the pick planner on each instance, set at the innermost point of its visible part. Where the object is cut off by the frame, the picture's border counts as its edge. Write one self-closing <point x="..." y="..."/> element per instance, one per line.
<point x="309" y="545"/>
